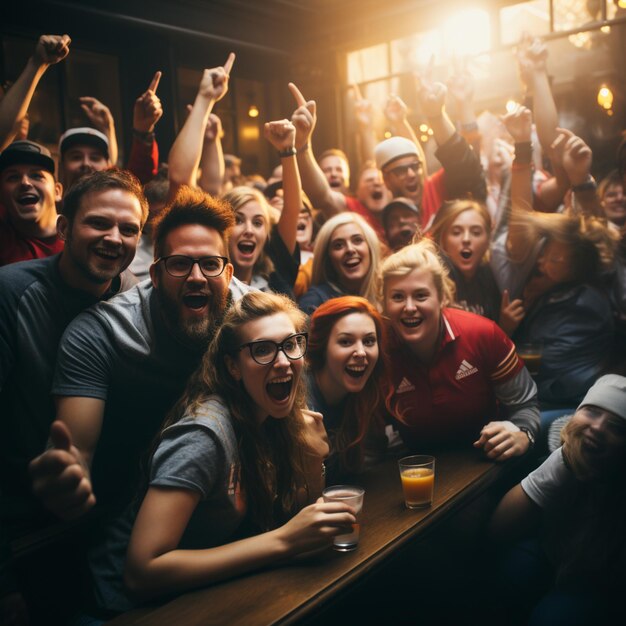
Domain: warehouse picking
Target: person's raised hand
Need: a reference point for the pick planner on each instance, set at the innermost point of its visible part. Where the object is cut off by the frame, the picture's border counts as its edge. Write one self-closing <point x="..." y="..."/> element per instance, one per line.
<point x="511" y="313"/>
<point x="460" y="83"/>
<point x="214" y="128"/>
<point x="60" y="476"/>
<point x="281" y="134"/>
<point x="363" y="109"/>
<point x="573" y="154"/>
<point x="304" y="117"/>
<point x="431" y="94"/>
<point x="518" y="123"/>
<point x="97" y="113"/>
<point x="502" y="440"/>
<point x="148" y="110"/>
<point x="214" y="83"/>
<point x="51" y="49"/>
<point x="532" y="55"/>
<point x="395" y="110"/>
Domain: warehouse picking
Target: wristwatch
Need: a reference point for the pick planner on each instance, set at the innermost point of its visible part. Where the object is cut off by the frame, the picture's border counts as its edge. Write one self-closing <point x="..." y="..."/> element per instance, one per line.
<point x="531" y="437"/>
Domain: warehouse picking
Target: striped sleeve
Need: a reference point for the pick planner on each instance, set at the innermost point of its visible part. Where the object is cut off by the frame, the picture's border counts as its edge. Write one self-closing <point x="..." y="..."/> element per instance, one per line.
<point x="508" y="365"/>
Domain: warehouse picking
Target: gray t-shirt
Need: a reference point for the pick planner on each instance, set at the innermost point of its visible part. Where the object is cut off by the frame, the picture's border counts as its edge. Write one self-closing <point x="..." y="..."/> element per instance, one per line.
<point x="545" y="485"/>
<point x="197" y="453"/>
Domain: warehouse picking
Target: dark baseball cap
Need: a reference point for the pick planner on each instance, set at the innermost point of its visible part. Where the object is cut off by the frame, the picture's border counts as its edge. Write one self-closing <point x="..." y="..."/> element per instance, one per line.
<point x="399" y="202"/>
<point x="25" y="152"/>
<point x="84" y="136"/>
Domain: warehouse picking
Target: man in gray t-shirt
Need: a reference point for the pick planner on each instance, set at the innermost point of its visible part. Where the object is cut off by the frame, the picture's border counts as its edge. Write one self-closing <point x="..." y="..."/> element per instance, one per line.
<point x="123" y="364"/>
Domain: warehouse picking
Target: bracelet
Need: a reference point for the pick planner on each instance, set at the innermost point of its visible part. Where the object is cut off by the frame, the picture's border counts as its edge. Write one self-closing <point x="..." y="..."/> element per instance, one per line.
<point x="304" y="148"/>
<point x="523" y="152"/>
<point x="588" y="185"/>
<point x="148" y="137"/>
<point x="288" y="153"/>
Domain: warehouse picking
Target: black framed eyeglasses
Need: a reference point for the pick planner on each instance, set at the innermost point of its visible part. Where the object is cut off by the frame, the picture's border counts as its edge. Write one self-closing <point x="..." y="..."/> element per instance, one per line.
<point x="180" y="266"/>
<point x="265" y="351"/>
<point x="402" y="170"/>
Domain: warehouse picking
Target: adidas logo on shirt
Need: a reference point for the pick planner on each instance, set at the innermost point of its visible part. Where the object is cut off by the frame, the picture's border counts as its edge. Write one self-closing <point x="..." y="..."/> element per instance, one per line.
<point x="465" y="369"/>
<point x="405" y="386"/>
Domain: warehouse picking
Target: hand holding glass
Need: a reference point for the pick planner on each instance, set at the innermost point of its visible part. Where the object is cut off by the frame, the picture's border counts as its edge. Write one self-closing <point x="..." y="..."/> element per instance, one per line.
<point x="352" y="496"/>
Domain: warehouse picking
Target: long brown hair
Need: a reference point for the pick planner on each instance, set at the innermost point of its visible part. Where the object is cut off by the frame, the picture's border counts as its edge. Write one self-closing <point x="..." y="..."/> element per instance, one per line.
<point x="271" y="454"/>
<point x="364" y="410"/>
<point x="591" y="542"/>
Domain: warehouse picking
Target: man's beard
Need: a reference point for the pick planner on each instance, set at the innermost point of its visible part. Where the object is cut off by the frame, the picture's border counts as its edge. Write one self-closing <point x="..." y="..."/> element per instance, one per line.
<point x="196" y="333"/>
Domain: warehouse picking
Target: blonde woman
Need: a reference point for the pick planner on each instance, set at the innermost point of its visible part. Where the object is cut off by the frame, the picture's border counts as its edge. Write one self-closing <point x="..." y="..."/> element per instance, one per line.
<point x="345" y="258"/>
<point x="456" y="377"/>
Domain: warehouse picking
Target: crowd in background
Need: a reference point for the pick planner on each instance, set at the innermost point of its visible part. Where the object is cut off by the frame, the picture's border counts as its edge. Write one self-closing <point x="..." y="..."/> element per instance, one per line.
<point x="189" y="352"/>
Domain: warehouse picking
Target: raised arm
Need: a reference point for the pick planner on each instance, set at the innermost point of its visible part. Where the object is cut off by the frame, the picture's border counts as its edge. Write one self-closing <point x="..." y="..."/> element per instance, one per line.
<point x="432" y="97"/>
<point x="314" y="182"/>
<point x="61" y="475"/>
<point x="460" y="86"/>
<point x="575" y="157"/>
<point x="143" y="160"/>
<point x="282" y="135"/>
<point x="364" y="116"/>
<point x="212" y="160"/>
<point x="184" y="157"/>
<point x="532" y="56"/>
<point x="50" y="49"/>
<point x="396" y="113"/>
<point x="102" y="119"/>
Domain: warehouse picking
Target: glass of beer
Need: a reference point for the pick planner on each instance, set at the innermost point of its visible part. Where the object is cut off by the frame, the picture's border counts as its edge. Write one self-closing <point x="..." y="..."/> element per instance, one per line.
<point x="352" y="496"/>
<point x="530" y="353"/>
<point x="417" y="474"/>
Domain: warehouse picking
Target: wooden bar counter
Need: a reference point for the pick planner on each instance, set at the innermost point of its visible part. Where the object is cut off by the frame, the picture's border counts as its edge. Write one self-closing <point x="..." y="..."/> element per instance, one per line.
<point x="288" y="594"/>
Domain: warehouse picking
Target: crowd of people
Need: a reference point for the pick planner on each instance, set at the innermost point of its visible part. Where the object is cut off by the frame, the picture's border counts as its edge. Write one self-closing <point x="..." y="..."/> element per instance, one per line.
<point x="190" y="353"/>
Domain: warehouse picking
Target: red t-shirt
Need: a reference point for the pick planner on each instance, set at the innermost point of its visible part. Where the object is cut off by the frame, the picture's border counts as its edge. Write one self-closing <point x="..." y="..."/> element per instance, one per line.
<point x="356" y="206"/>
<point x="433" y="196"/>
<point x="15" y="247"/>
<point x="451" y="400"/>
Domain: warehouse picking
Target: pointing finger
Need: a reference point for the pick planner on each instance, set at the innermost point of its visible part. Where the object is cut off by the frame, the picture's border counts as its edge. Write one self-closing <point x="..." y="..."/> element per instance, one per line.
<point x="229" y="63"/>
<point x="505" y="299"/>
<point x="155" y="82"/>
<point x="357" y="91"/>
<point x="297" y="94"/>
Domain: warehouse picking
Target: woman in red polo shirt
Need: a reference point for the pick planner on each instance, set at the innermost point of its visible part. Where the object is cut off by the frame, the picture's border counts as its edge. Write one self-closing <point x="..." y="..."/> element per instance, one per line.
<point x="456" y="375"/>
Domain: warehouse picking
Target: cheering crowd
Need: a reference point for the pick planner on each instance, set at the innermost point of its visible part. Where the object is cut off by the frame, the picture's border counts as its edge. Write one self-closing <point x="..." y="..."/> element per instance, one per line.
<point x="188" y="354"/>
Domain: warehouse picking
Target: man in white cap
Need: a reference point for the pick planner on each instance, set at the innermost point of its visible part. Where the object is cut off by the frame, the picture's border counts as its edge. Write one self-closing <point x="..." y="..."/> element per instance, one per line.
<point x="83" y="150"/>
<point x="404" y="170"/>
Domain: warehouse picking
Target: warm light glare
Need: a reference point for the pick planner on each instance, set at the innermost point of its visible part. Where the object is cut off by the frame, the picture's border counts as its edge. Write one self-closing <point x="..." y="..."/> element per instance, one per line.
<point x="605" y="97"/>
<point x="511" y="105"/>
<point x="387" y="134"/>
<point x="622" y="4"/>
<point x="251" y="133"/>
<point x="423" y="128"/>
<point x="430" y="131"/>
<point x="424" y="138"/>
<point x="467" y="32"/>
<point x="253" y="111"/>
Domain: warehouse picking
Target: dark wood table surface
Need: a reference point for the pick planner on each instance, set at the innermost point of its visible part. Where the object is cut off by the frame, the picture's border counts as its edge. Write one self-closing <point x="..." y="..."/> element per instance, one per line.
<point x="287" y="594"/>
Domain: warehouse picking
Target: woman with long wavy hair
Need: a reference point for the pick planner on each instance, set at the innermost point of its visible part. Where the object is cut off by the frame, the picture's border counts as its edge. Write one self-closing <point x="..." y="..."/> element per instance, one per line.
<point x="348" y="381"/>
<point x="236" y="467"/>
<point x="569" y="516"/>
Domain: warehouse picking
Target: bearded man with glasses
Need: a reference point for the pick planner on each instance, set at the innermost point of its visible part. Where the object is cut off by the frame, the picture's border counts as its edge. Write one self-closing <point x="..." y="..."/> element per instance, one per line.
<point x="121" y="367"/>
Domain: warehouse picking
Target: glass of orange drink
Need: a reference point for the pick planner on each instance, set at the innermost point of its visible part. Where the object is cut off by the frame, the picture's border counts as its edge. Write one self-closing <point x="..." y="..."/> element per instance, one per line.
<point x="417" y="474"/>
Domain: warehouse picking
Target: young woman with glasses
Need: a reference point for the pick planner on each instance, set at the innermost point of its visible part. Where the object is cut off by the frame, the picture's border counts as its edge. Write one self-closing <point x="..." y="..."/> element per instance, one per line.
<point x="237" y="468"/>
